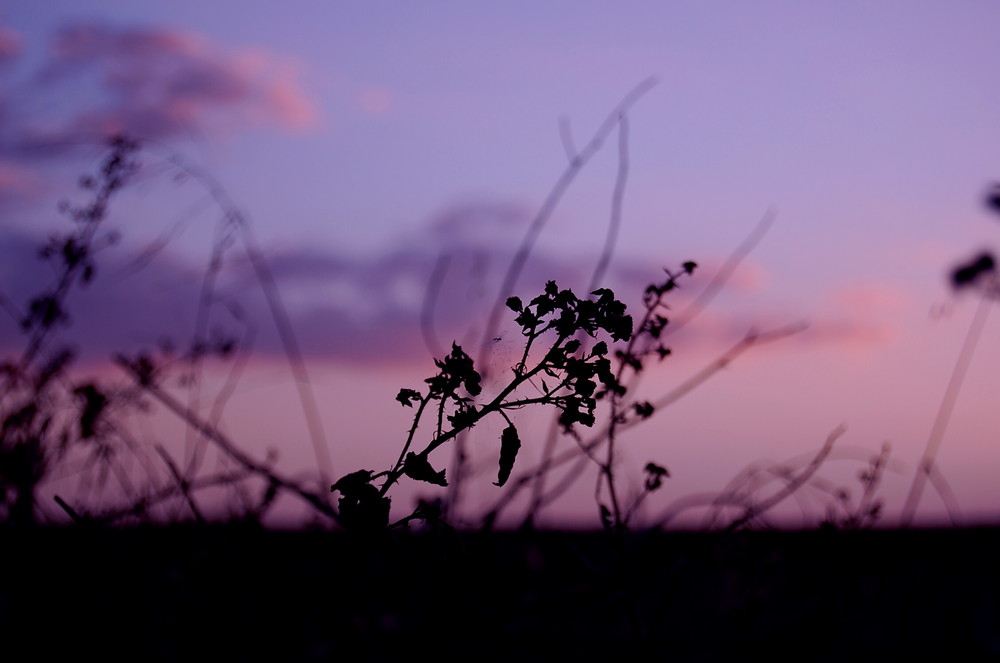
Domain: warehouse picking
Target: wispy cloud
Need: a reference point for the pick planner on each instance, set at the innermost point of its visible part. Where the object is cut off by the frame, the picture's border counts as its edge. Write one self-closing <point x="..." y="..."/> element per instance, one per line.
<point x="97" y="80"/>
<point x="369" y="310"/>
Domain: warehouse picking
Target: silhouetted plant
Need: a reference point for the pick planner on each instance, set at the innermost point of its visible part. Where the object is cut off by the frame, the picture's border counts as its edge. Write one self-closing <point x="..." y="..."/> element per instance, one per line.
<point x="49" y="418"/>
<point x="42" y="415"/>
<point x="566" y="375"/>
<point x="978" y="274"/>
<point x="581" y="358"/>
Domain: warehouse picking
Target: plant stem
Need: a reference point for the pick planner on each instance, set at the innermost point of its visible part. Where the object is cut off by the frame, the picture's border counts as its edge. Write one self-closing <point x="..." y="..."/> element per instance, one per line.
<point x="946" y="408"/>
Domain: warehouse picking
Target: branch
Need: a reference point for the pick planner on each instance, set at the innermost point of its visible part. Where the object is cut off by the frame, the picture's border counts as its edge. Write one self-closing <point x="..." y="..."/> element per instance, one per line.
<point x="926" y="465"/>
<point x="755" y="510"/>
<point x="555" y="195"/>
<point x="221" y="441"/>
<point x="529" y="476"/>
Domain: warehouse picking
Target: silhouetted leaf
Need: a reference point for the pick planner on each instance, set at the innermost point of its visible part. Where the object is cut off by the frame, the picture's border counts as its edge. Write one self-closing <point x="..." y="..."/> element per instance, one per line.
<point x="993" y="198"/>
<point x="556" y="356"/>
<point x="604" y="295"/>
<point x="527" y="320"/>
<point x="585" y="388"/>
<point x="655" y="475"/>
<point x="352" y="482"/>
<point x="655" y="325"/>
<point x="621" y="328"/>
<point x="968" y="273"/>
<point x="644" y="409"/>
<point x="94" y="402"/>
<point x="514" y="304"/>
<point x="630" y="360"/>
<point x="362" y="508"/>
<point x="406" y="396"/>
<point x="418" y="467"/>
<point x="44" y="311"/>
<point x="510" y="443"/>
<point x="465" y="416"/>
<point x="606" y="519"/>
<point x="456" y="369"/>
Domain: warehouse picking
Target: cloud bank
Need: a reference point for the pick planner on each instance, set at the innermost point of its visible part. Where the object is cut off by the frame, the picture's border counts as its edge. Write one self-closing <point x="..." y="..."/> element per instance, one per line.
<point x="402" y="305"/>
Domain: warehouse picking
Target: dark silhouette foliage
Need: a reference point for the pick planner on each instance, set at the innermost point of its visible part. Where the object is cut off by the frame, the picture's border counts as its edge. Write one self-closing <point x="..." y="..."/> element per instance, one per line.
<point x="970" y="273"/>
<point x="579" y="357"/>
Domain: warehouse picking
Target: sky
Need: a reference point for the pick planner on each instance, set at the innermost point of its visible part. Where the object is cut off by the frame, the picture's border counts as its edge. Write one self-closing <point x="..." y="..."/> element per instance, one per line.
<point x="364" y="146"/>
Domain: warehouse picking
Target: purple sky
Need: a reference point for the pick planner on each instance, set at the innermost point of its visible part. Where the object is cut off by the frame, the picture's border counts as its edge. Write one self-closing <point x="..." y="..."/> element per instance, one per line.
<point x="365" y="143"/>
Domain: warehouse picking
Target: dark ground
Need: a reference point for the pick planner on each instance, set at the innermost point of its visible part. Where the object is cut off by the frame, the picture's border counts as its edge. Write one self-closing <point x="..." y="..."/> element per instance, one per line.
<point x="242" y="594"/>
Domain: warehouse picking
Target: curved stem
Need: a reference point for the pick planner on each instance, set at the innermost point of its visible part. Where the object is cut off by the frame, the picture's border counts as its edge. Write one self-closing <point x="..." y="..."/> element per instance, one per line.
<point x="926" y="465"/>
<point x="396" y="471"/>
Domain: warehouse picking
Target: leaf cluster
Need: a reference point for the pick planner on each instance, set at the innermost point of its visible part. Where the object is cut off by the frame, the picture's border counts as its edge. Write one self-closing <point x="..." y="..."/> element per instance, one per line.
<point x="566" y="376"/>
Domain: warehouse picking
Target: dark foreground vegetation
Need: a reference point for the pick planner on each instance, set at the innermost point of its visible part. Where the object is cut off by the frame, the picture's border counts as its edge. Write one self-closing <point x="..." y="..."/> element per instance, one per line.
<point x="241" y="594"/>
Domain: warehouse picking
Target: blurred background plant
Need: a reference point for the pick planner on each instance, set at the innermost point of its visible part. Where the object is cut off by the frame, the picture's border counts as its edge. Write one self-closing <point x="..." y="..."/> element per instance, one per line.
<point x="977" y="275"/>
<point x="48" y="419"/>
<point x="59" y="426"/>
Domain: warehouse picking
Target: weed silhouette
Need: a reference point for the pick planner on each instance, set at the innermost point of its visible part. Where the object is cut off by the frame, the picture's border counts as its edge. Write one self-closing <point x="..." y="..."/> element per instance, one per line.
<point x="582" y="358"/>
<point x="977" y="274"/>
<point x="36" y="433"/>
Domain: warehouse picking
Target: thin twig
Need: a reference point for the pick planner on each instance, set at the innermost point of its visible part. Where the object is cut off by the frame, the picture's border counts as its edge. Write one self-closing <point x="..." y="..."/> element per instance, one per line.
<point x="755" y="510"/>
<point x="750" y="340"/>
<point x="199" y="340"/>
<point x="430" y="301"/>
<point x="944" y="411"/>
<point x="144" y="504"/>
<point x="528" y="476"/>
<point x="947" y="495"/>
<point x="614" y="223"/>
<point x="275" y="303"/>
<point x="516" y="266"/>
<point x="225" y="444"/>
<point x="182" y="484"/>
<point x="566" y="137"/>
<point x="617" y="203"/>
<point x="722" y="276"/>
<point x="551" y="201"/>
<point x="77" y="518"/>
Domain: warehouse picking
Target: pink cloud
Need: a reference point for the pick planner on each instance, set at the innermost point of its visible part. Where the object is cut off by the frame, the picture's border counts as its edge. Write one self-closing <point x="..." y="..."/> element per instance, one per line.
<point x="287" y="101"/>
<point x="371" y="311"/>
<point x="860" y="316"/>
<point x="344" y="308"/>
<point x="870" y="299"/>
<point x="857" y="318"/>
<point x="158" y="83"/>
<point x="749" y="277"/>
<point x="855" y="335"/>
